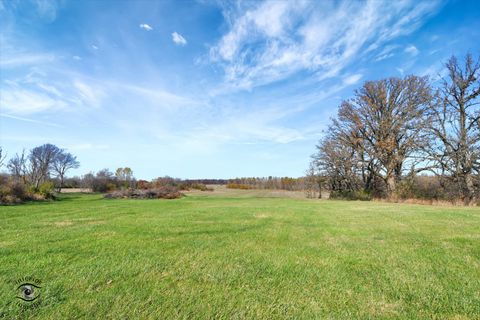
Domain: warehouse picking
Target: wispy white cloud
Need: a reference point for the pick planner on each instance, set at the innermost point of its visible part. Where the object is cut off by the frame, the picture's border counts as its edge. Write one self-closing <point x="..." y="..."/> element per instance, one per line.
<point x="387" y="52"/>
<point x="276" y="39"/>
<point x="435" y="72"/>
<point x="157" y="96"/>
<point x="47" y="9"/>
<point x="20" y="60"/>
<point x="25" y="101"/>
<point x="236" y="127"/>
<point x="352" y="79"/>
<point x="91" y="96"/>
<point x="45" y="87"/>
<point x="259" y="125"/>
<point x="30" y="94"/>
<point x="45" y="83"/>
<point x="49" y="89"/>
<point x="146" y="27"/>
<point x="178" y="39"/>
<point x="36" y="121"/>
<point x="412" y="50"/>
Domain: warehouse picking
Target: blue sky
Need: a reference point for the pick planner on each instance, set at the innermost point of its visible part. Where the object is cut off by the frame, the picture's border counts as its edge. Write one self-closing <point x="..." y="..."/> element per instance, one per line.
<point x="207" y="88"/>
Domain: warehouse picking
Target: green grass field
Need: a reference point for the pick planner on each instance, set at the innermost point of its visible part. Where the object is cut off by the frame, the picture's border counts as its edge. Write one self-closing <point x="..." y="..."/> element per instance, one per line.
<point x="237" y="257"/>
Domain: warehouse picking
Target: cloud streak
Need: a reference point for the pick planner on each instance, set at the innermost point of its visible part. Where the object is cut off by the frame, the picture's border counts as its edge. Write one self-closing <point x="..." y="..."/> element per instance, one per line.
<point x="146" y="27"/>
<point x="21" y="60"/>
<point x="277" y="39"/>
<point x="412" y="50"/>
<point x="178" y="39"/>
<point x="43" y="123"/>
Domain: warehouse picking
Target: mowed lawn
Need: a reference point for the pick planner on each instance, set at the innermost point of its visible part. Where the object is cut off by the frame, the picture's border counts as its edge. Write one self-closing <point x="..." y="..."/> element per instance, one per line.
<point x="230" y="257"/>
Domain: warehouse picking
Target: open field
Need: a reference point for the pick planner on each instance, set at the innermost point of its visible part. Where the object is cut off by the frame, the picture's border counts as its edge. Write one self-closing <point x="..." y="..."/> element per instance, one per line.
<point x="237" y="255"/>
<point x="223" y="191"/>
<point x="76" y="190"/>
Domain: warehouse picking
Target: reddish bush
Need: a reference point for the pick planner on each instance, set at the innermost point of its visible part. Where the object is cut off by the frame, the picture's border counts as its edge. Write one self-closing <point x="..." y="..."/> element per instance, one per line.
<point x="12" y="191"/>
<point x="239" y="186"/>
<point x="196" y="186"/>
<point x="166" y="192"/>
<point x="143" y="184"/>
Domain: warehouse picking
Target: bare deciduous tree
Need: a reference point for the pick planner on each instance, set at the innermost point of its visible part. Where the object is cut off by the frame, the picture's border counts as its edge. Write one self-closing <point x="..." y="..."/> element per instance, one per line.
<point x="41" y="160"/>
<point x="18" y="166"/>
<point x="347" y="133"/>
<point x="455" y="126"/>
<point x="388" y="116"/>
<point x="336" y="160"/>
<point x="63" y="162"/>
<point x="124" y="175"/>
<point x="312" y="185"/>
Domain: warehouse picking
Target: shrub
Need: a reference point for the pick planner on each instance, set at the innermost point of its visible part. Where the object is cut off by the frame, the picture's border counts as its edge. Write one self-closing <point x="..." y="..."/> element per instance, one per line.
<point x="239" y="186"/>
<point x="196" y="186"/>
<point x="143" y="184"/>
<point x="201" y="187"/>
<point x="351" y="195"/>
<point x="47" y="190"/>
<point x="103" y="186"/>
<point x="165" y="181"/>
<point x="12" y="191"/>
<point x="428" y="188"/>
<point x="165" y="192"/>
<point x="19" y="190"/>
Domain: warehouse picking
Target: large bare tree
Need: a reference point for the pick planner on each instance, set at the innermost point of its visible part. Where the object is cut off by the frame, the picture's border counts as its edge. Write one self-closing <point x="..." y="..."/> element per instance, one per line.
<point x="337" y="161"/>
<point x="63" y="162"/>
<point x="18" y="167"/>
<point x="40" y="162"/>
<point x="347" y="132"/>
<point x="386" y="122"/>
<point x="455" y="126"/>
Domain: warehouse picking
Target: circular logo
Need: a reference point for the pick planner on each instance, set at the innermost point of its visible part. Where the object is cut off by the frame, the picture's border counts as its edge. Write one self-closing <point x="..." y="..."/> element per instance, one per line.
<point x="28" y="292"/>
<point x="28" y="289"/>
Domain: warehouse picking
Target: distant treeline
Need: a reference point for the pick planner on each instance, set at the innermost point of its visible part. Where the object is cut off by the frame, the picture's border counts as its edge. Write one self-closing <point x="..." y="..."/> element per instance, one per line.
<point x="105" y="181"/>
<point x="272" y="183"/>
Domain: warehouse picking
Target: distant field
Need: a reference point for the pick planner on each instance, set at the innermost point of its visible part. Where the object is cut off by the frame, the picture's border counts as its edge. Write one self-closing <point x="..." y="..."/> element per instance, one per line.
<point x="75" y="190"/>
<point x="223" y="191"/>
<point x="236" y="255"/>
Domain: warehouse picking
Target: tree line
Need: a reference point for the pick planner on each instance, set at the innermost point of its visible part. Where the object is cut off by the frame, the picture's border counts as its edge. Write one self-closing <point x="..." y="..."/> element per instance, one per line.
<point x="32" y="174"/>
<point x="270" y="182"/>
<point x="40" y="164"/>
<point x="394" y="129"/>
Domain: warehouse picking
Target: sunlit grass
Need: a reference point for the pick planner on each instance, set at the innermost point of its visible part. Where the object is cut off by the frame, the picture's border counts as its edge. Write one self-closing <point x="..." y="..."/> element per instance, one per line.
<point x="228" y="257"/>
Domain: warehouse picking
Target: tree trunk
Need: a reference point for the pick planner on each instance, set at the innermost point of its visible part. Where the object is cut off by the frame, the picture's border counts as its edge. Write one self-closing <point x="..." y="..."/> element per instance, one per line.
<point x="61" y="184"/>
<point x="391" y="184"/>
<point x="37" y="183"/>
<point x="319" y="189"/>
<point x="469" y="190"/>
